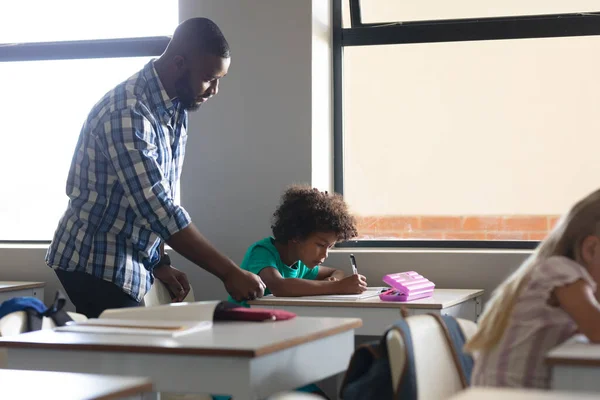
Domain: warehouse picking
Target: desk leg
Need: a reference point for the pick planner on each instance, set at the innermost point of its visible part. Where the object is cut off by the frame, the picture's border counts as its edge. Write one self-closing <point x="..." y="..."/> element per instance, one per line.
<point x="479" y="306"/>
<point x="339" y="381"/>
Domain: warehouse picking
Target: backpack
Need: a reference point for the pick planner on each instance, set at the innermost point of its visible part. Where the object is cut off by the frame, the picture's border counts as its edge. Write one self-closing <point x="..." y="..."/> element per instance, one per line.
<point x="36" y="310"/>
<point x="369" y="377"/>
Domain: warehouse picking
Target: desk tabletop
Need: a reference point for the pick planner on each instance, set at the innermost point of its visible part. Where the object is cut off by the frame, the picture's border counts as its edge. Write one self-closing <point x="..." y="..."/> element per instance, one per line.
<point x="479" y="393"/>
<point x="442" y="298"/>
<point x="575" y="351"/>
<point x="69" y="386"/>
<point x="9" y="286"/>
<point x="239" y="339"/>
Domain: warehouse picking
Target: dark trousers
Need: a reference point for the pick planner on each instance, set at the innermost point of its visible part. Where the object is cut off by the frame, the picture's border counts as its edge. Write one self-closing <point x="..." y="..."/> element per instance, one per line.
<point x="91" y="295"/>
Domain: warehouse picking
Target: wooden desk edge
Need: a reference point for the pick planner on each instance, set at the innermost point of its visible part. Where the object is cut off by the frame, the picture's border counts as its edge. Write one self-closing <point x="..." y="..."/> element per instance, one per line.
<point x="476" y="293"/>
<point x="142" y="387"/>
<point x="18" y="286"/>
<point x="260" y="351"/>
<point x="364" y="303"/>
<point x="583" y="362"/>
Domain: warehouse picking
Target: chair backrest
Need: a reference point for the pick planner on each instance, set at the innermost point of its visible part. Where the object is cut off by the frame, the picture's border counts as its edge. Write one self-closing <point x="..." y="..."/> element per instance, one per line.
<point x="159" y="294"/>
<point x="436" y="372"/>
<point x="16" y="323"/>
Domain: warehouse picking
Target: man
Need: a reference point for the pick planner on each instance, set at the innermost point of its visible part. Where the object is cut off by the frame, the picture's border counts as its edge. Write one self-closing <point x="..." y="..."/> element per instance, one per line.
<point x="122" y="183"/>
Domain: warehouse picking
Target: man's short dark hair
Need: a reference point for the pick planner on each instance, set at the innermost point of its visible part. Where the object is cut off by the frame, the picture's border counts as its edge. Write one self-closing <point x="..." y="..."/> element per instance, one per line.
<point x="204" y="35"/>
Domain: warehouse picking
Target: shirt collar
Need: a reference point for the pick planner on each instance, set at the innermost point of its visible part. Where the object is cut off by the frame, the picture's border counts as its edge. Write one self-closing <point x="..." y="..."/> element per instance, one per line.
<point x="157" y="93"/>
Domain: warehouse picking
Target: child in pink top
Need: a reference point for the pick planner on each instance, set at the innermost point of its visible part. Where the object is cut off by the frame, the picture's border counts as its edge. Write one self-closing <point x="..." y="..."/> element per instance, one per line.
<point x="548" y="299"/>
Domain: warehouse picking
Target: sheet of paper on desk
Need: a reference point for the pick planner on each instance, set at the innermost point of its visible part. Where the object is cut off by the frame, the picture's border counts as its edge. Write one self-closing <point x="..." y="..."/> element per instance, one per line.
<point x="370" y="292"/>
<point x="136" y="327"/>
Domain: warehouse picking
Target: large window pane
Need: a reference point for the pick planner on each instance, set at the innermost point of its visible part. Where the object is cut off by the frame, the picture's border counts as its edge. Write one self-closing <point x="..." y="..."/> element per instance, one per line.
<point x="470" y="140"/>
<point x="25" y="21"/>
<point x="44" y="104"/>
<point x="374" y="11"/>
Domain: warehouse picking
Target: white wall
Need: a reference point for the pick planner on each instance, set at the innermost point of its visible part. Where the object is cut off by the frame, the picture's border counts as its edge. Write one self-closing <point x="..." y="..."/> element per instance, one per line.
<point x="251" y="141"/>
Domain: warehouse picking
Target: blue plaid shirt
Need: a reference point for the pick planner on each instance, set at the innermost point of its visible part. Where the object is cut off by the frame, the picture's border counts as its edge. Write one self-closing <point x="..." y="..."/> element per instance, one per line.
<point x="122" y="186"/>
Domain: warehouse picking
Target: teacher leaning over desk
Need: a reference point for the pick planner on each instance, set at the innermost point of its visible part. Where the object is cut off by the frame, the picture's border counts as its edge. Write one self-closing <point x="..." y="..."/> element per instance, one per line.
<point x="109" y="244"/>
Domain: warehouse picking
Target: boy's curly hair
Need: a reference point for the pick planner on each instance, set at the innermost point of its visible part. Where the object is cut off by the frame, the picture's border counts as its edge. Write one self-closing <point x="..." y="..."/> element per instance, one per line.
<point x="304" y="210"/>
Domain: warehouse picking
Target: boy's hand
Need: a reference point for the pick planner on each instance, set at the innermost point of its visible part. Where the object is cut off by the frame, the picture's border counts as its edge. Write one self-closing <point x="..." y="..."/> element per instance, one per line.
<point x="353" y="284"/>
<point x="331" y="279"/>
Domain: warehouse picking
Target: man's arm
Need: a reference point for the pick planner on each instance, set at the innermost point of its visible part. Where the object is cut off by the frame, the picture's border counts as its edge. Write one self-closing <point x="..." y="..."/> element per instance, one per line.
<point x="191" y="244"/>
<point x="132" y="152"/>
<point x="130" y="142"/>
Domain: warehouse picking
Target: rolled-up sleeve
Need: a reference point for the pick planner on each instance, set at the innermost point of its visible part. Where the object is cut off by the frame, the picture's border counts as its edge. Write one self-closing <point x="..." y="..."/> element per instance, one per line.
<point x="133" y="153"/>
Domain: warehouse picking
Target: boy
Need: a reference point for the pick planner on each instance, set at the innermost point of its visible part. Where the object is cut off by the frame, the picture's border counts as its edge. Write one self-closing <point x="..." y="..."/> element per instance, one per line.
<point x="305" y="226"/>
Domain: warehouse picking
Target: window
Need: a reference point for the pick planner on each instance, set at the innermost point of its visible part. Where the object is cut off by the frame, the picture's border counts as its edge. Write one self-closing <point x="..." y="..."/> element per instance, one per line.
<point x="462" y="133"/>
<point x="55" y="64"/>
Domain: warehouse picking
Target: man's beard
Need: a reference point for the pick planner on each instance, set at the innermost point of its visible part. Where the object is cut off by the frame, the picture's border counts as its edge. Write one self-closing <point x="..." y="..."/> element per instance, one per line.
<point x="185" y="94"/>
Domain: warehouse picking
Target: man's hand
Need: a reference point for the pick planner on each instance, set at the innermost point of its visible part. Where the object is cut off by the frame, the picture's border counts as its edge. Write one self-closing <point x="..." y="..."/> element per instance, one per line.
<point x="244" y="285"/>
<point x="175" y="280"/>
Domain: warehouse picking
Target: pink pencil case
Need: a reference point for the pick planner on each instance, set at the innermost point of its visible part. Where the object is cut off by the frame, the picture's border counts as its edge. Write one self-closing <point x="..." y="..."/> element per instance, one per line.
<point x="407" y="286"/>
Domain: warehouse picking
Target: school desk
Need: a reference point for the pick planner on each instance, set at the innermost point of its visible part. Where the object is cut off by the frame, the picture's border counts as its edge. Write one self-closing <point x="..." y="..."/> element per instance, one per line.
<point x="518" y="394"/>
<point x="10" y="289"/>
<point x="575" y="365"/>
<point x="248" y="360"/>
<point x="377" y="315"/>
<point x="20" y="384"/>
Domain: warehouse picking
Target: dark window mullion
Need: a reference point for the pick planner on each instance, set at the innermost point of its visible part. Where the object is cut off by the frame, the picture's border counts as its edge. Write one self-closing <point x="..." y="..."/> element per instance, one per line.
<point x="83" y="49"/>
<point x="520" y="27"/>
<point x="355" y="14"/>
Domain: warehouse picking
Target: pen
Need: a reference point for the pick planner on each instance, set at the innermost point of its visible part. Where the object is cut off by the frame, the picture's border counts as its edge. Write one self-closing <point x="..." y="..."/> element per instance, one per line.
<point x="353" y="262"/>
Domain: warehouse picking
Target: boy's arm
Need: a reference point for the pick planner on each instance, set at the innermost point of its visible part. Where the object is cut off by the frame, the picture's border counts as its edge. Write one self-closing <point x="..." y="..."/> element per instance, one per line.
<point x="293" y="287"/>
<point x="327" y="273"/>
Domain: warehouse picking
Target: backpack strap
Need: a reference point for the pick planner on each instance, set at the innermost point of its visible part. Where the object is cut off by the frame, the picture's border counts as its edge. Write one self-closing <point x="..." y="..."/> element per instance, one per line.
<point x="56" y="312"/>
<point x="460" y="368"/>
<point x="34" y="320"/>
<point x="407" y="384"/>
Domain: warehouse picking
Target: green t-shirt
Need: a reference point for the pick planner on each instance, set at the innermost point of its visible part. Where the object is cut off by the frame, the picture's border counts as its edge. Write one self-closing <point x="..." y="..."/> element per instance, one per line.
<point x="264" y="254"/>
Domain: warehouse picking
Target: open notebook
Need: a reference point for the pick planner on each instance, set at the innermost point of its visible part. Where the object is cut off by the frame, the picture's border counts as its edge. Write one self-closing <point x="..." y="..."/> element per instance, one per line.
<point x="370" y="292"/>
<point x="136" y="327"/>
<point x="172" y="320"/>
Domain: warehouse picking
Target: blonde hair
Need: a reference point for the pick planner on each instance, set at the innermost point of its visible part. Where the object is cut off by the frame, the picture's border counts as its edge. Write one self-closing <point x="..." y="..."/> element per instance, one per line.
<point x="565" y="239"/>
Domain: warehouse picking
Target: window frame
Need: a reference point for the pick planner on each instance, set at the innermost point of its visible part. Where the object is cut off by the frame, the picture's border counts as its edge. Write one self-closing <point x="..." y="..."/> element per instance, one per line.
<point x="437" y="31"/>
<point x="77" y="50"/>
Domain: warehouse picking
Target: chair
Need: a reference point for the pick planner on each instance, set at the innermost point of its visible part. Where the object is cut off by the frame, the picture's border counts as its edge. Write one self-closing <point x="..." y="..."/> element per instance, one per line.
<point x="159" y="294"/>
<point x="16" y="323"/>
<point x="436" y="373"/>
